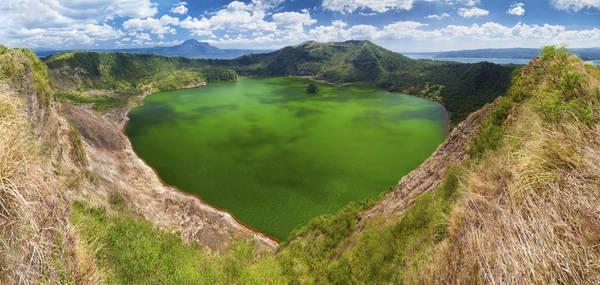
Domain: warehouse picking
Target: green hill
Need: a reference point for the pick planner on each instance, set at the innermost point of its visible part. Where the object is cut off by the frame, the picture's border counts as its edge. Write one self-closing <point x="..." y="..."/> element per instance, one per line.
<point x="461" y="88"/>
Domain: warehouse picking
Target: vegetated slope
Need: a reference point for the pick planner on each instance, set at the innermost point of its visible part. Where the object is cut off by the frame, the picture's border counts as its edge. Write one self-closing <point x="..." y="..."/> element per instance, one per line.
<point x="529" y="211"/>
<point x="511" y="197"/>
<point x="461" y="88"/>
<point x="522" y="207"/>
<point x="37" y="241"/>
<point x="130" y="73"/>
<point x="47" y="168"/>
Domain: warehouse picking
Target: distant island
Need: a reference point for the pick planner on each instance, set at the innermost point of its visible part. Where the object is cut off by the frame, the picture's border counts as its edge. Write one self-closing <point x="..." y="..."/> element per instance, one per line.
<point x="190" y="49"/>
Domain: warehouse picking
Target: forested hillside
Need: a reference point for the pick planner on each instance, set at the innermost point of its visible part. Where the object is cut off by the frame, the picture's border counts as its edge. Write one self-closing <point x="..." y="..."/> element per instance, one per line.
<point x="461" y="88"/>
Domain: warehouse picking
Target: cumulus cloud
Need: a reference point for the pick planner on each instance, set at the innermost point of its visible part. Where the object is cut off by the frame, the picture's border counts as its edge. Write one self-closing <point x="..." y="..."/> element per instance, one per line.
<point x="472" y="12"/>
<point x="516" y="9"/>
<point x="180" y="8"/>
<point x="131" y="8"/>
<point x="575" y="5"/>
<point x="159" y="27"/>
<point x="469" y="3"/>
<point x="397" y="34"/>
<point x="293" y="21"/>
<point x="198" y="27"/>
<point x="65" y="23"/>
<point x="438" y="17"/>
<point x="380" y="6"/>
<point x="240" y="20"/>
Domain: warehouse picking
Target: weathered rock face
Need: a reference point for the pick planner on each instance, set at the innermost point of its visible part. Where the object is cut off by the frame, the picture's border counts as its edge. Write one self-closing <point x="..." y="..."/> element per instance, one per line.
<point x="432" y="171"/>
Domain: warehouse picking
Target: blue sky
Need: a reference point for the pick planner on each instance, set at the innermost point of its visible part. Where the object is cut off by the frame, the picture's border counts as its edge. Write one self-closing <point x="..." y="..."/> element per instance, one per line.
<point x="399" y="25"/>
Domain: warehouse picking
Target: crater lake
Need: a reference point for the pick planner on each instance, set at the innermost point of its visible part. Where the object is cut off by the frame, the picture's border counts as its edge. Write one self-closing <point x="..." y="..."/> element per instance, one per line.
<point x="276" y="157"/>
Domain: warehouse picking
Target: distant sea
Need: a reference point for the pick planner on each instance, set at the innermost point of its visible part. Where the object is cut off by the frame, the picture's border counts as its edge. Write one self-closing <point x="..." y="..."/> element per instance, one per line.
<point x="520" y="61"/>
<point x="429" y="56"/>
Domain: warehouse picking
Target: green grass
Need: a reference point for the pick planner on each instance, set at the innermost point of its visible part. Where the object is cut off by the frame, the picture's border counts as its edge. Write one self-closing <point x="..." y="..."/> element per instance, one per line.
<point x="99" y="103"/>
<point x="329" y="252"/>
<point x="326" y="251"/>
<point x="131" y="250"/>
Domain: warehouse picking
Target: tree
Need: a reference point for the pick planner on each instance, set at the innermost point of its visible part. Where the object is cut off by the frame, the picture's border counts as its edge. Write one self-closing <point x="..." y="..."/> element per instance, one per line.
<point x="312" y="89"/>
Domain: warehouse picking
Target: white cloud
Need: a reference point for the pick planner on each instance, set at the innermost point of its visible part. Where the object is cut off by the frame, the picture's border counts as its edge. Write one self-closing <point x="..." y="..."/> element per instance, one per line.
<point x="472" y="12"/>
<point x="159" y="27"/>
<point x="132" y="8"/>
<point x="575" y="5"/>
<point x="293" y="21"/>
<point x="66" y="23"/>
<point x="516" y="9"/>
<point x="240" y="18"/>
<point x="380" y="6"/>
<point x="419" y="36"/>
<point x="334" y="32"/>
<point x="180" y="8"/>
<point x="438" y="17"/>
<point x="198" y="27"/>
<point x="469" y="3"/>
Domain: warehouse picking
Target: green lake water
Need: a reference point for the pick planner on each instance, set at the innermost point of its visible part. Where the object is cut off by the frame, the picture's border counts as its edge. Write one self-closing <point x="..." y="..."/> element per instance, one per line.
<point x="276" y="157"/>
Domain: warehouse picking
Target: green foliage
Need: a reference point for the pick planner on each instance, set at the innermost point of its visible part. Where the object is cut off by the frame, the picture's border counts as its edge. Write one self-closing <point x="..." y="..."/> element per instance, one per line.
<point x="492" y="129"/>
<point x="132" y="74"/>
<point x="117" y="201"/>
<point x="461" y="88"/>
<point x="312" y="89"/>
<point x="77" y="151"/>
<point x="219" y="74"/>
<point x="564" y="95"/>
<point x="100" y="103"/>
<point x="330" y="250"/>
<point x="132" y="250"/>
<point x="327" y="251"/>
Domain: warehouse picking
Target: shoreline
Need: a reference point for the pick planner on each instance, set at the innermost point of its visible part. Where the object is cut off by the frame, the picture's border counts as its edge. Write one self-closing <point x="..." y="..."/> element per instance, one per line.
<point x="271" y="241"/>
<point x="447" y="124"/>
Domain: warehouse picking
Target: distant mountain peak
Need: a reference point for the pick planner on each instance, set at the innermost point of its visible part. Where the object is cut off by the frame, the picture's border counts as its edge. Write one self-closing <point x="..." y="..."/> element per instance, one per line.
<point x="193" y="42"/>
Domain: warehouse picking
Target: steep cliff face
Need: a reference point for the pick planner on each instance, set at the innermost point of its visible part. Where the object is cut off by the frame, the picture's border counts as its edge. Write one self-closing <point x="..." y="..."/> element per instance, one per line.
<point x="37" y="242"/>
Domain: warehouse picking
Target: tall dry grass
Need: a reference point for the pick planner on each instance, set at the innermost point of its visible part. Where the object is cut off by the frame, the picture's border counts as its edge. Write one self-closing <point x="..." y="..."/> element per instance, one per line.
<point x="36" y="241"/>
<point x="530" y="211"/>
